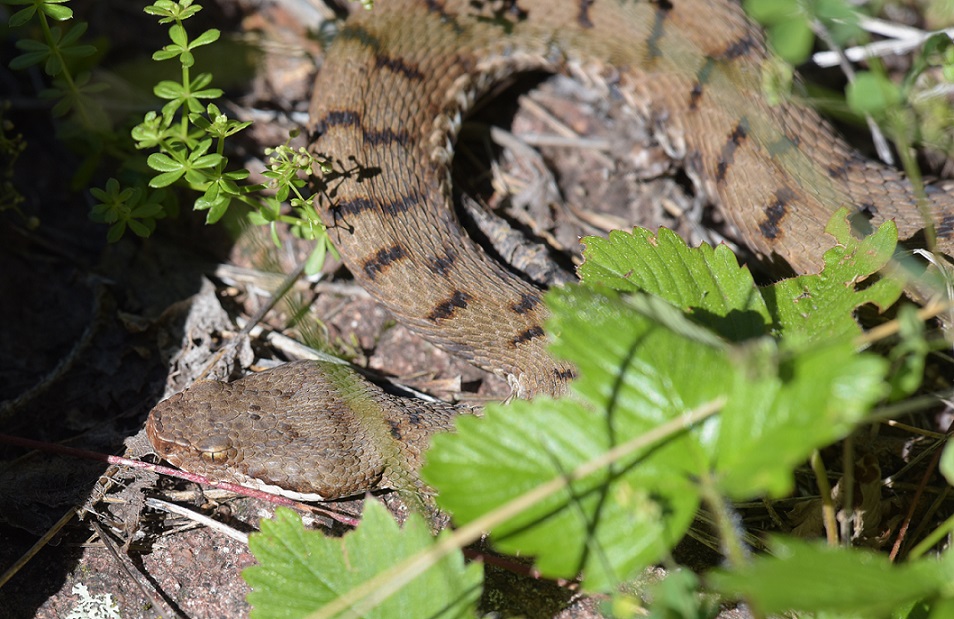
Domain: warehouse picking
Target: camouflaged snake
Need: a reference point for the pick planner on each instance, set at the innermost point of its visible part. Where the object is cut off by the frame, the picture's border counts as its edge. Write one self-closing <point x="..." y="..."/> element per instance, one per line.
<point x="387" y="105"/>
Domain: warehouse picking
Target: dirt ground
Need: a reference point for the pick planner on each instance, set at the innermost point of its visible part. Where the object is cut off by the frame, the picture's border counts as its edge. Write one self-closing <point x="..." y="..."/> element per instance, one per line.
<point x="94" y="334"/>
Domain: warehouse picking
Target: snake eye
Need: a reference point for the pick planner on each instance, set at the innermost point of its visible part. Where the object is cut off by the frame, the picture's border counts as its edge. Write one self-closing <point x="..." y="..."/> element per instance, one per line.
<point x="214" y="448"/>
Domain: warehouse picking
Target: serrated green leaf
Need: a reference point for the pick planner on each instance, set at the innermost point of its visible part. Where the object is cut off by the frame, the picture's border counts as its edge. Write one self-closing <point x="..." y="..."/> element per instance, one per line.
<point x="820" y="308"/>
<point x="643" y="363"/>
<point x="782" y="409"/>
<point x="300" y="571"/>
<point x="634" y="375"/>
<point x="611" y="524"/>
<point x="707" y="282"/>
<point x="812" y="577"/>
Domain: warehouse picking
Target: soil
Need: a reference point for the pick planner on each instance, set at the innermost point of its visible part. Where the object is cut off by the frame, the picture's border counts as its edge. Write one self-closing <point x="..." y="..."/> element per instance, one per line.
<point x="94" y="334"/>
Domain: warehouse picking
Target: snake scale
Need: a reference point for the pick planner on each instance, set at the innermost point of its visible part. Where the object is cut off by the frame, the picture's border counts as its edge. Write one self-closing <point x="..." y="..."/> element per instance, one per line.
<point x="387" y="107"/>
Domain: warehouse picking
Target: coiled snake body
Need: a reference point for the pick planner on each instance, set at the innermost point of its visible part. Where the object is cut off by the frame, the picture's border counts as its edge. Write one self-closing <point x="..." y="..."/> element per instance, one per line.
<point x="388" y="103"/>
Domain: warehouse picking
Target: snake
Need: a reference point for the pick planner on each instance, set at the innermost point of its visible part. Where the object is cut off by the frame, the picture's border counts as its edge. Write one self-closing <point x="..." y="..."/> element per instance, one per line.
<point x="386" y="109"/>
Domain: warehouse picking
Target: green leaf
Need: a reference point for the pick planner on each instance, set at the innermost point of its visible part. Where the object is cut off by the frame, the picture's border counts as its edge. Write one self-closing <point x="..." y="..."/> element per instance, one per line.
<point x="209" y="36"/>
<point x="56" y="11"/>
<point x="678" y="597"/>
<point x="300" y="571"/>
<point x="792" y="39"/>
<point x="706" y="282"/>
<point x="872" y="93"/>
<point x="116" y="231"/>
<point x="818" y="308"/>
<point x="316" y="260"/>
<point x="947" y="462"/>
<point x="167" y="89"/>
<point x="842" y="18"/>
<point x="771" y="11"/>
<point x="74" y="33"/>
<point x="610" y="525"/>
<point x="643" y="363"/>
<point x="207" y="161"/>
<point x="217" y="209"/>
<point x="909" y="355"/>
<point x="634" y="375"/>
<point x="812" y="577"/>
<point x="178" y="35"/>
<point x="781" y="409"/>
<point x="29" y="59"/>
<point x="208" y="93"/>
<point x="165" y="179"/>
<point x="142" y="228"/>
<point x="163" y="163"/>
<point x="165" y="53"/>
<point x="53" y="66"/>
<point x="787" y="27"/>
<point x="21" y="17"/>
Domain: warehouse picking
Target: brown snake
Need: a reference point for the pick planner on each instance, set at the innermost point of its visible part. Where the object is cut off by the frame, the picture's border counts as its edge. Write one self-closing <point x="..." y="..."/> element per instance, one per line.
<point x="387" y="105"/>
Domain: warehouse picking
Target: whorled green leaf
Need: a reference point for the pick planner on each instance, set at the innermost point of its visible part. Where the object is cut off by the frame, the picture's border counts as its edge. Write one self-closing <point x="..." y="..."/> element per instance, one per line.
<point x="812" y="577"/>
<point x="209" y="36"/>
<point x="161" y="162"/>
<point x="300" y="571"/>
<point x="167" y="89"/>
<point x="55" y="11"/>
<point x="21" y="17"/>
